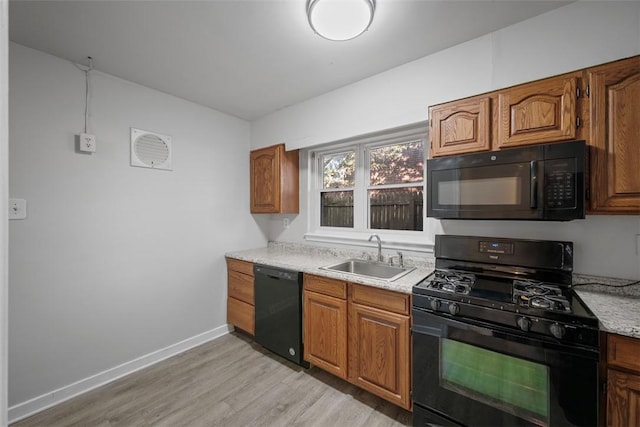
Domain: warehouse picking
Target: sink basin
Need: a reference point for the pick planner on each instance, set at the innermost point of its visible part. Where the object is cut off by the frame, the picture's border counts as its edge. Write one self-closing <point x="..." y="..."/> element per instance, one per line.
<point x="373" y="269"/>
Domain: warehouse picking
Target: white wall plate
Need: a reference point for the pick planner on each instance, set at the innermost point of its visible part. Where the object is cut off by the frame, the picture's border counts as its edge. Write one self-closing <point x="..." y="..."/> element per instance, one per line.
<point x="150" y="150"/>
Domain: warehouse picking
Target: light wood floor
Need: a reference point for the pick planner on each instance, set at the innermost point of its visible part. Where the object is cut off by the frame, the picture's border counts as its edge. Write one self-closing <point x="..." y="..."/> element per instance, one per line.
<point x="227" y="382"/>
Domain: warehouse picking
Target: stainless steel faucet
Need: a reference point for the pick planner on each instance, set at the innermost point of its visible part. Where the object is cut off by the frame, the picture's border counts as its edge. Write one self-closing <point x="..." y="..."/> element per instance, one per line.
<point x="379" y="246"/>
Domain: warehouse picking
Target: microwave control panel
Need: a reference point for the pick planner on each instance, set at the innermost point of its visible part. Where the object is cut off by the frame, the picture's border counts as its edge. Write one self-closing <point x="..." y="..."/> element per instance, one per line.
<point x="560" y="184"/>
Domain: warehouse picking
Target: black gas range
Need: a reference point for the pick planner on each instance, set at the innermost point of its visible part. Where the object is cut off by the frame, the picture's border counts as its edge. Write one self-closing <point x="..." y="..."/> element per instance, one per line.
<point x="498" y="319"/>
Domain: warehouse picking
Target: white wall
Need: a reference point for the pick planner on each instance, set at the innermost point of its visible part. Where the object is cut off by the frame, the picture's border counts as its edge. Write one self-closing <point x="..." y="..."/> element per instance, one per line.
<point x="114" y="262"/>
<point x="579" y="35"/>
<point x="566" y="39"/>
<point x="4" y="194"/>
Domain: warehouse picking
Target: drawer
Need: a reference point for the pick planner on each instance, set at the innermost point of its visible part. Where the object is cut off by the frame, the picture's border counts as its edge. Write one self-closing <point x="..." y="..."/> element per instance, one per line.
<point x="240" y="266"/>
<point x="241" y="315"/>
<point x="623" y="352"/>
<point x="240" y="286"/>
<point x="326" y="286"/>
<point x="383" y="299"/>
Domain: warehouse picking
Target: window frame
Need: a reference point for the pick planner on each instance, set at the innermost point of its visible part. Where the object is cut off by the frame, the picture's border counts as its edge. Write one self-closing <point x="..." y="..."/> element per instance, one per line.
<point x="419" y="241"/>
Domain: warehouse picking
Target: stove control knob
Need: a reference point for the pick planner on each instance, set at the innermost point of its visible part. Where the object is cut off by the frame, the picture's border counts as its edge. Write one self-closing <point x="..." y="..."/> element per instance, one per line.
<point x="557" y="330"/>
<point x="454" y="308"/>
<point x="435" y="304"/>
<point x="524" y="324"/>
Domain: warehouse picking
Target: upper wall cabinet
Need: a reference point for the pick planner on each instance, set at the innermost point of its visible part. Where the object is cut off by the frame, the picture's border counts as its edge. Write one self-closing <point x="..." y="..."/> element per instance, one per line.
<point x="614" y="137"/>
<point x="600" y="104"/>
<point x="461" y="126"/>
<point x="542" y="111"/>
<point x="274" y="180"/>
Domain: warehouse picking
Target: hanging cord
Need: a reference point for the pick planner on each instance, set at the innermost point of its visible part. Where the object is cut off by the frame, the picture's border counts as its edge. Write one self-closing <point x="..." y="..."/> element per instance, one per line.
<point x="86" y="71"/>
<point x="86" y="93"/>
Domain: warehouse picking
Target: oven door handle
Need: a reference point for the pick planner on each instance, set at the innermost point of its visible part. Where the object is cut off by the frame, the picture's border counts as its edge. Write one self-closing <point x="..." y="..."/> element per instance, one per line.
<point x="423" y="324"/>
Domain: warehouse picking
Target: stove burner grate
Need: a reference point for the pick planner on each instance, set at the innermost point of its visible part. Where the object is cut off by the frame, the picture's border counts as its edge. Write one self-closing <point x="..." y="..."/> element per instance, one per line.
<point x="540" y="295"/>
<point x="452" y="281"/>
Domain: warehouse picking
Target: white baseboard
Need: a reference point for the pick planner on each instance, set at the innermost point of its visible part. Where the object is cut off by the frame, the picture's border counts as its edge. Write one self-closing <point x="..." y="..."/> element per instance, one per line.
<point x="47" y="400"/>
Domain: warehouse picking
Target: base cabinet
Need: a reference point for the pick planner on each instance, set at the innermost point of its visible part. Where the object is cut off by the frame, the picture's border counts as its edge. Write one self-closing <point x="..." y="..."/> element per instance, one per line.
<point x="623" y="381"/>
<point x="379" y="349"/>
<point x="240" y="300"/>
<point x="325" y="338"/>
<point x="360" y="334"/>
<point x="623" y="398"/>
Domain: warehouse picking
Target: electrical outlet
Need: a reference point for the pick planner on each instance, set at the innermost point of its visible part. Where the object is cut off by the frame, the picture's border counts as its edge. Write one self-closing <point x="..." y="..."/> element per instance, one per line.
<point x="87" y="143"/>
<point x="285" y="223"/>
<point x="17" y="208"/>
<point x="637" y="244"/>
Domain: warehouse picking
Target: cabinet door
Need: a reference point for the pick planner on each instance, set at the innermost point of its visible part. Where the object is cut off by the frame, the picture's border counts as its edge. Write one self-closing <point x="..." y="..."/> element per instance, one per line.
<point x="379" y="353"/>
<point x="265" y="180"/>
<point x="241" y="315"/>
<point x="542" y="111"/>
<point x="325" y="332"/>
<point x="240" y="286"/>
<point x="623" y="399"/>
<point x="614" y="137"/>
<point x="461" y="127"/>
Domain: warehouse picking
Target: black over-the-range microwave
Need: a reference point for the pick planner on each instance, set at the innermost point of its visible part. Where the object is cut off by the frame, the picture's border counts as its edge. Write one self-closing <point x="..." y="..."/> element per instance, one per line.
<point x="540" y="182"/>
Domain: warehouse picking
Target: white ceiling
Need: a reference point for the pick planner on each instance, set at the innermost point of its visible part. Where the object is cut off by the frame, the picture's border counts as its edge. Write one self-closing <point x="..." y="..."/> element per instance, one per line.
<point x="249" y="58"/>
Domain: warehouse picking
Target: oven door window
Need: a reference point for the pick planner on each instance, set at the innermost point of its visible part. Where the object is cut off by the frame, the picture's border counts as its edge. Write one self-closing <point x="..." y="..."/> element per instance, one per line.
<point x="510" y="384"/>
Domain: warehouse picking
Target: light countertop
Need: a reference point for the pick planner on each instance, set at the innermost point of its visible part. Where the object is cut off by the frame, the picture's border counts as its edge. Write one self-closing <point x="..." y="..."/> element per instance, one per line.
<point x="616" y="306"/>
<point x="309" y="259"/>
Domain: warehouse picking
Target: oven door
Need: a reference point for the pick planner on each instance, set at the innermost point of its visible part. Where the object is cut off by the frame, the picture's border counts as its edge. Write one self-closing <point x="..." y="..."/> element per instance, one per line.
<point x="476" y="374"/>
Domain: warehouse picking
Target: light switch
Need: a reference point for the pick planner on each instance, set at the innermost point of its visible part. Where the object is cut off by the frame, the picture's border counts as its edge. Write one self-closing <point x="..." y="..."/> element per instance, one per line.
<point x="17" y="208"/>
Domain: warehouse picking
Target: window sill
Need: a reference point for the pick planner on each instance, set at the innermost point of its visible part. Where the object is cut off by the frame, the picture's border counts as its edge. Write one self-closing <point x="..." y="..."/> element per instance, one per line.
<point x="390" y="241"/>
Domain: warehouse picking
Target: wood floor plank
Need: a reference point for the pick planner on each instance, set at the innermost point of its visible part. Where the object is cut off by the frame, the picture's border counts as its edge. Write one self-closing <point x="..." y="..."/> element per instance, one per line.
<point x="228" y="382"/>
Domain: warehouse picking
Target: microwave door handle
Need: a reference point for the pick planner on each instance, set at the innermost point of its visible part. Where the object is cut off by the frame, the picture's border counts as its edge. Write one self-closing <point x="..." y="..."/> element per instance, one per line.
<point x="533" y="190"/>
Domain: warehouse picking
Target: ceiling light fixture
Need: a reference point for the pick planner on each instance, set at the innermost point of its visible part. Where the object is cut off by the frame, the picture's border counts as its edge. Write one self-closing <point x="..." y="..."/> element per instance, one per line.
<point x="340" y="19"/>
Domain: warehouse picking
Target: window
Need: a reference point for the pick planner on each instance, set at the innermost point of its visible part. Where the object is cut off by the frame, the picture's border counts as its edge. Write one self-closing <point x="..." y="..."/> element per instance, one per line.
<point x="395" y="191"/>
<point x="370" y="185"/>
<point x="338" y="181"/>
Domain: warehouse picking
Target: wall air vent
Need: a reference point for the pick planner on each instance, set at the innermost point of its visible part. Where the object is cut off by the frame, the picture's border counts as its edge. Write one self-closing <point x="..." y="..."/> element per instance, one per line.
<point x="150" y="150"/>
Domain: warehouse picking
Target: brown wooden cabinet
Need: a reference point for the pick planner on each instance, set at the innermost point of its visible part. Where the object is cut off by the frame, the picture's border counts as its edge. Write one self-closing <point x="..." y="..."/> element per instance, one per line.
<point x="623" y="381"/>
<point x="614" y="137"/>
<point x="325" y="324"/>
<point x="274" y="180"/>
<point x="240" y="302"/>
<point x="600" y="104"/>
<point x="534" y="113"/>
<point x="538" y="112"/>
<point x="373" y="349"/>
<point x="379" y="343"/>
<point x="460" y="126"/>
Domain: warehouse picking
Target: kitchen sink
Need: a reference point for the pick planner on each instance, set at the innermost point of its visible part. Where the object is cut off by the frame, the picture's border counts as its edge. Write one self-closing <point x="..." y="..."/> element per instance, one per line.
<point x="373" y="269"/>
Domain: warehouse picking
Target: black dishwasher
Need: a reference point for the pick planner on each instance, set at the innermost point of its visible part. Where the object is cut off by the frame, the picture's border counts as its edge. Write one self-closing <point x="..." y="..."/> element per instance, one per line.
<point x="278" y="305"/>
